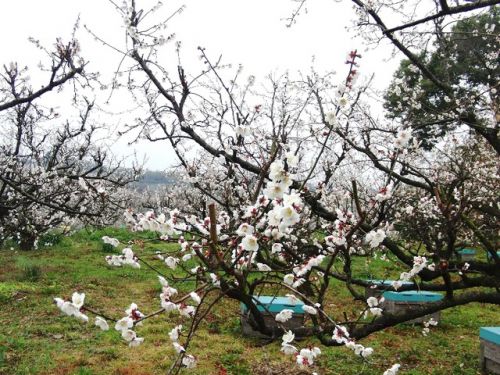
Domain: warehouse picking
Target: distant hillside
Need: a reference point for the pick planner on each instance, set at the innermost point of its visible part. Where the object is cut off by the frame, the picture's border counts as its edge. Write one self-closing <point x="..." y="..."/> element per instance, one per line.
<point x="153" y="180"/>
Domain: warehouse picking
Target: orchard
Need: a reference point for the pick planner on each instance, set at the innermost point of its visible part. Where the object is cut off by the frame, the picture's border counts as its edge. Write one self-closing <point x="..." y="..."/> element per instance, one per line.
<point x="286" y="191"/>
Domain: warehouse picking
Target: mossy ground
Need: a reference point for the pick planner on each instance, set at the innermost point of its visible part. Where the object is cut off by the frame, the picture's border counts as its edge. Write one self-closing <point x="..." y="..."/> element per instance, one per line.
<point x="35" y="338"/>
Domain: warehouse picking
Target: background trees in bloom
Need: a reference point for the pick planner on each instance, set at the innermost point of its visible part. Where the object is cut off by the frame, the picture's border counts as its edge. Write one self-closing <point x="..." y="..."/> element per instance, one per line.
<point x="303" y="178"/>
<point x="51" y="171"/>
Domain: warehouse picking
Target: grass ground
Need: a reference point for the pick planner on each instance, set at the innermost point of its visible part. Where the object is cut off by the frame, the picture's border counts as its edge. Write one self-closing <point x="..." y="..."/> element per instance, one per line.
<point x="35" y="338"/>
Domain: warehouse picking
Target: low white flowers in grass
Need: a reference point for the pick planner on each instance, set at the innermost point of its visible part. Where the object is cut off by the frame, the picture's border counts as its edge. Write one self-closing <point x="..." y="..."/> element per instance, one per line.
<point x="175" y="333"/>
<point x="112" y="241"/>
<point x="131" y="337"/>
<point x="306" y="356"/>
<point x="430" y="323"/>
<point x="189" y="361"/>
<point x="101" y="323"/>
<point x="127" y="258"/>
<point x="393" y="370"/>
<point x="74" y="307"/>
<point x="124" y="324"/>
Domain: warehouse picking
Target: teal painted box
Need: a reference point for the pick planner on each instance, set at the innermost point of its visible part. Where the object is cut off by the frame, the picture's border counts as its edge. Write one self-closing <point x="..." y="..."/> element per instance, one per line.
<point x="491" y="334"/>
<point x="401" y="302"/>
<point x="380" y="286"/>
<point x="275" y="304"/>
<point x="270" y="306"/>
<point x="467" y="254"/>
<point x="413" y="296"/>
<point x="489" y="338"/>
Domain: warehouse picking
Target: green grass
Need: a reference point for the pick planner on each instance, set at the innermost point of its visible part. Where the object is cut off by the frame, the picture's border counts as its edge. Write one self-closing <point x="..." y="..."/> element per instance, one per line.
<point x="35" y="338"/>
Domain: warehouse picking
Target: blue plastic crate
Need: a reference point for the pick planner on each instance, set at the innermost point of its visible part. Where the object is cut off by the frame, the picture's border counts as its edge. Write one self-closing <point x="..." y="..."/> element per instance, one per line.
<point x="413" y="296"/>
<point x="491" y="334"/>
<point x="467" y="252"/>
<point x="275" y="304"/>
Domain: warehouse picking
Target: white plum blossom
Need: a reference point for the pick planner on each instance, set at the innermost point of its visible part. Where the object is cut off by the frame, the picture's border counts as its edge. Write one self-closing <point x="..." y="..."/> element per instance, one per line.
<point x="263" y="267"/>
<point x="288" y="349"/>
<point x="128" y="335"/>
<point x="178" y="347"/>
<point x="366" y="352"/>
<point x="195" y="297"/>
<point x="340" y="335"/>
<point x="292" y="160"/>
<point x="171" y="262"/>
<point x="375" y="238"/>
<point x="127" y="258"/>
<point x="187" y="310"/>
<point x="112" y="241"/>
<point x="292" y="298"/>
<point x="175" y="333"/>
<point x="276" y="248"/>
<point x="244" y="229"/>
<point x="372" y="301"/>
<point x="215" y="280"/>
<point x="384" y="194"/>
<point x="288" y="279"/>
<point x="131" y="337"/>
<point x="274" y="190"/>
<point x="309" y="309"/>
<point x="335" y="240"/>
<point x="250" y="243"/>
<point x="101" y="323"/>
<point x="331" y="118"/>
<point x="169" y="306"/>
<point x="402" y="138"/>
<point x="288" y="337"/>
<point x="393" y="370"/>
<point x="74" y="307"/>
<point x="124" y="323"/>
<point x="284" y="315"/>
<point x="306" y="356"/>
<point x="289" y="216"/>
<point x="78" y="299"/>
<point x="189" y="361"/>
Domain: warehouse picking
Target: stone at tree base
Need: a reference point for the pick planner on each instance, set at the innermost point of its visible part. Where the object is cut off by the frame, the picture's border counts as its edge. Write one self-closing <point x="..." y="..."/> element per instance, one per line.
<point x="380" y="286"/>
<point x="489" y="338"/>
<point x="401" y="302"/>
<point x="270" y="306"/>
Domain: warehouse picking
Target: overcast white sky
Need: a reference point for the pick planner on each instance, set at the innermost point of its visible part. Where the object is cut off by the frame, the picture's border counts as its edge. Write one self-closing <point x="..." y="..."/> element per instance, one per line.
<point x="250" y="32"/>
